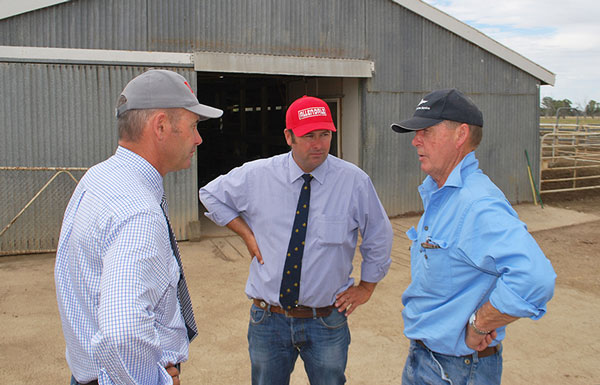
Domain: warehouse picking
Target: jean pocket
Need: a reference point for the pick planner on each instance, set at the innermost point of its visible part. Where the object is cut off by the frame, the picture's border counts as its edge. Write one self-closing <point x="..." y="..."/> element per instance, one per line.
<point x="335" y="320"/>
<point x="257" y="315"/>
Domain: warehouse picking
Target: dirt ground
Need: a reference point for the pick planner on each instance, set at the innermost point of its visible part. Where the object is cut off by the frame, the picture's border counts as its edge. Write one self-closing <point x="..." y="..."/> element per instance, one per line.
<point x="560" y="348"/>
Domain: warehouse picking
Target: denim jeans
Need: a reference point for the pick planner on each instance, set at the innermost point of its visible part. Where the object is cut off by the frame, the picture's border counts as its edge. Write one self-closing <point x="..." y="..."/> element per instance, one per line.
<point x="426" y="367"/>
<point x="74" y="381"/>
<point x="274" y="342"/>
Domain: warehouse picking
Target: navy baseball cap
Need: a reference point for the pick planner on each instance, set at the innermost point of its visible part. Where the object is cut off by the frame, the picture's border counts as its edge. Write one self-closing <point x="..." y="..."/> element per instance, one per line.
<point x="440" y="105"/>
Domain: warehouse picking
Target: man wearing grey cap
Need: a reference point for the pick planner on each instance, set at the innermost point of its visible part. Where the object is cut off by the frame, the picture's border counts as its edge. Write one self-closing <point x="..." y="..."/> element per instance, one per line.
<point x="126" y="313"/>
<point x="474" y="266"/>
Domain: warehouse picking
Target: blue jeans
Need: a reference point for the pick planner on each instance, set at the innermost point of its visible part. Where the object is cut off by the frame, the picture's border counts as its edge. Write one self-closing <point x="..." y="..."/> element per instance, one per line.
<point x="74" y="381"/>
<point x="426" y="367"/>
<point x="274" y="342"/>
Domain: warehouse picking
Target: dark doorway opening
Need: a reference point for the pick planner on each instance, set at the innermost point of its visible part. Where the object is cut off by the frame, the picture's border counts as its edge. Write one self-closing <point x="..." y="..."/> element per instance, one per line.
<point x="253" y="120"/>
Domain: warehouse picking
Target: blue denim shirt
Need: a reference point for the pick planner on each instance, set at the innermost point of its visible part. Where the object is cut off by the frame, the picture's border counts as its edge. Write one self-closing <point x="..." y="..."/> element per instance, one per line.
<point x="470" y="247"/>
<point x="343" y="202"/>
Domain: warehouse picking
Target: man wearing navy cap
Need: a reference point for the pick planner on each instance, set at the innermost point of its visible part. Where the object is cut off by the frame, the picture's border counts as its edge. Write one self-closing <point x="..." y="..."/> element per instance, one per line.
<point x="474" y="266"/>
<point x="299" y="214"/>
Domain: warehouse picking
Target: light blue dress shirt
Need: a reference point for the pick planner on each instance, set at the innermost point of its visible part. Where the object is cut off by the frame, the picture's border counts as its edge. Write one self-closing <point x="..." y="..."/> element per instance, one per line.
<point x="116" y="277"/>
<point x="481" y="251"/>
<point x="343" y="202"/>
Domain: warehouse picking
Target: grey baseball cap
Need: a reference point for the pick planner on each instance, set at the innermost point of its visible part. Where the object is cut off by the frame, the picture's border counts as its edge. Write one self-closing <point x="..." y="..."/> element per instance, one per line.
<point x="163" y="89"/>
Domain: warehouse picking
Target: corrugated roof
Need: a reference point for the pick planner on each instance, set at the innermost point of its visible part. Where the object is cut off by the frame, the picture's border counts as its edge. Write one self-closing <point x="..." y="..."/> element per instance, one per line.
<point x="10" y="8"/>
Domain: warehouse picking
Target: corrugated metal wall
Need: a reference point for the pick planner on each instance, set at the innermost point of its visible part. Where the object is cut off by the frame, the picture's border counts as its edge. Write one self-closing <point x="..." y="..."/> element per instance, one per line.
<point x="63" y="116"/>
<point x="308" y="27"/>
<point x="412" y="56"/>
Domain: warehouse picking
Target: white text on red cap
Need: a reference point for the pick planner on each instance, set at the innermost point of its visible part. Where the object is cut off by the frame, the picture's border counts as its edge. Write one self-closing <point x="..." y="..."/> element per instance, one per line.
<point x="311" y="112"/>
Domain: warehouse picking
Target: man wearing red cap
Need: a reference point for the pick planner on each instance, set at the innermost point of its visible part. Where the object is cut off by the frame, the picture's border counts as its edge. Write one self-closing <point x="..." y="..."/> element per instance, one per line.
<point x="299" y="214"/>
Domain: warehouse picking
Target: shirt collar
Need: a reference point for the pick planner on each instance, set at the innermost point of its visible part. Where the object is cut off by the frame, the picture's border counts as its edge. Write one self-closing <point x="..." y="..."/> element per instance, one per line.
<point x="464" y="168"/>
<point x="295" y="172"/>
<point x="147" y="171"/>
<point x="456" y="178"/>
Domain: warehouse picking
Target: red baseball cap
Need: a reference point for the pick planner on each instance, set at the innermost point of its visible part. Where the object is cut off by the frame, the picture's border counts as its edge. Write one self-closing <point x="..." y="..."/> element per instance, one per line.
<point x="308" y="114"/>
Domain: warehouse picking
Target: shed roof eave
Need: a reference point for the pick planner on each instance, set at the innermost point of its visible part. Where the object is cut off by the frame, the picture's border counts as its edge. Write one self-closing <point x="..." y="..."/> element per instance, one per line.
<point x="10" y="8"/>
<point x="93" y="56"/>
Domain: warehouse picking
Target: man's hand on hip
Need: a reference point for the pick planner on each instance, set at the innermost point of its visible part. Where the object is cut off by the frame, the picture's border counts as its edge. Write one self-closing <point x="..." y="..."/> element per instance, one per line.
<point x="354" y="296"/>
<point x="477" y="341"/>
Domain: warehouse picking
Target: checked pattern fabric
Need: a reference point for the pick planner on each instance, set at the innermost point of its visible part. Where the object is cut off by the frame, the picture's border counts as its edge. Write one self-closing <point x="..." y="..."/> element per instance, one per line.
<point x="185" y="302"/>
<point x="290" y="282"/>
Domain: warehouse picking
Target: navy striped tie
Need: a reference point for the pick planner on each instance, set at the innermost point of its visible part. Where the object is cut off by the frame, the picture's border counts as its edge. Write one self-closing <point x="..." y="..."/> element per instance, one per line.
<point x="290" y="282"/>
<point x="185" y="302"/>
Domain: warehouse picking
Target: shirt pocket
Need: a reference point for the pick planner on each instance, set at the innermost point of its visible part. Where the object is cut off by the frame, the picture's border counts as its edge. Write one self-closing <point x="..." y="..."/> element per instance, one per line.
<point x="436" y="274"/>
<point x="331" y="231"/>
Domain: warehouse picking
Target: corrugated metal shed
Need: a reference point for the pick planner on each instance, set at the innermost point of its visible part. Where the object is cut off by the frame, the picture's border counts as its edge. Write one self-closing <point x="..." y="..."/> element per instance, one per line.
<point x="415" y="49"/>
<point x="63" y="116"/>
<point x="426" y="57"/>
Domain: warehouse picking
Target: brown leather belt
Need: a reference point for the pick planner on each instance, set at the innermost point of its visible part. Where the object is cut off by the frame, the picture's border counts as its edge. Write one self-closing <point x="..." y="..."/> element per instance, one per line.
<point x="297" y="312"/>
<point x="490" y="350"/>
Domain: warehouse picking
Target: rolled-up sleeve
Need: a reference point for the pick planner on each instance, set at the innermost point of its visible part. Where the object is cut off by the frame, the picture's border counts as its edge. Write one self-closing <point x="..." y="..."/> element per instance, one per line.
<point x="494" y="236"/>
<point x="376" y="231"/>
<point x="225" y="197"/>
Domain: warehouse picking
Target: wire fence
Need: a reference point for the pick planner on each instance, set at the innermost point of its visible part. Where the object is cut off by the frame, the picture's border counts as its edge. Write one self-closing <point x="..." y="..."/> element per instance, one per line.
<point x="35" y="200"/>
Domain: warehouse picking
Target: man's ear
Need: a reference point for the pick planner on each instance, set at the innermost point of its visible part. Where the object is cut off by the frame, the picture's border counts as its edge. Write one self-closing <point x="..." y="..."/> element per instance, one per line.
<point x="462" y="134"/>
<point x="158" y="125"/>
<point x="288" y="136"/>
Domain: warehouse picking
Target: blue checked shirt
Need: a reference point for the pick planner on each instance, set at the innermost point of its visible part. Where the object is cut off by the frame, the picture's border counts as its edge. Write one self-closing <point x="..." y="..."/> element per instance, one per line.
<point x="343" y="202"/>
<point x="116" y="277"/>
<point x="470" y="247"/>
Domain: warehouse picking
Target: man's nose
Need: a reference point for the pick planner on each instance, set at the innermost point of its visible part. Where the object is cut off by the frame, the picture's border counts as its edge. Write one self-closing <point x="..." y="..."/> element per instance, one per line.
<point x="197" y="138"/>
<point x="418" y="139"/>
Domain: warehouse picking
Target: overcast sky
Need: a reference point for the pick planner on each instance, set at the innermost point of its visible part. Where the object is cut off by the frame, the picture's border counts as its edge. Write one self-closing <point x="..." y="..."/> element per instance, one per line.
<point x="561" y="36"/>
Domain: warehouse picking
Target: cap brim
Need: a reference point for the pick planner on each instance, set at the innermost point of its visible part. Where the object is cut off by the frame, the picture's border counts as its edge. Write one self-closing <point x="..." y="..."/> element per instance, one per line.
<point x="205" y="112"/>
<point x="306" y="128"/>
<point x="415" y="123"/>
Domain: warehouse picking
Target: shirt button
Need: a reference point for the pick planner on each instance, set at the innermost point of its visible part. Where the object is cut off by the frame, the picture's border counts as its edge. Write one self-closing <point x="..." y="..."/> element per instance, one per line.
<point x="425" y="256"/>
<point x="426" y="228"/>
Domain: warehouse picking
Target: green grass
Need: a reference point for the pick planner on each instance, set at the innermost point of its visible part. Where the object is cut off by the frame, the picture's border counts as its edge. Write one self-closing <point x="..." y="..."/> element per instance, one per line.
<point x="570" y="120"/>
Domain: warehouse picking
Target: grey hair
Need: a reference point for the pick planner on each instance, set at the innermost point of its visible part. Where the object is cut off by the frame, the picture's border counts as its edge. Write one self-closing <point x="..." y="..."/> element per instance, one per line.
<point x="131" y="123"/>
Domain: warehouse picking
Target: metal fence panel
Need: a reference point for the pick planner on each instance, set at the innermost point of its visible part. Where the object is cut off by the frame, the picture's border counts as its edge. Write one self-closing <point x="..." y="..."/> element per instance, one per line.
<point x="63" y="116"/>
<point x="570" y="159"/>
<point x="37" y="198"/>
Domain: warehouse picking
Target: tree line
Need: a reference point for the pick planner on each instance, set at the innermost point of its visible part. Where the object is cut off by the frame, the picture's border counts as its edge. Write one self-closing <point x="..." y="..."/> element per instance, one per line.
<point x="565" y="107"/>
